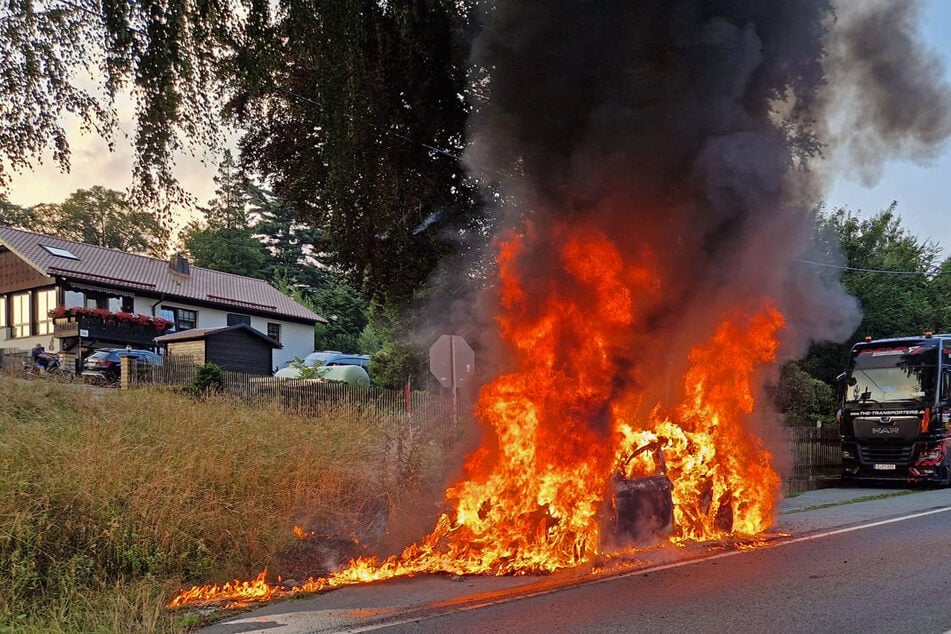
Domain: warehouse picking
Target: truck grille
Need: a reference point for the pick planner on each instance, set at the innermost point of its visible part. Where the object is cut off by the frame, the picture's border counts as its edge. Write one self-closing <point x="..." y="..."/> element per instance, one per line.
<point x="888" y="428"/>
<point x="895" y="454"/>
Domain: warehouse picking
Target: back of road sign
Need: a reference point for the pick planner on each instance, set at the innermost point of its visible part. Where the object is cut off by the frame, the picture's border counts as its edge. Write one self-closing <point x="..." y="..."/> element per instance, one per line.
<point x="452" y="361"/>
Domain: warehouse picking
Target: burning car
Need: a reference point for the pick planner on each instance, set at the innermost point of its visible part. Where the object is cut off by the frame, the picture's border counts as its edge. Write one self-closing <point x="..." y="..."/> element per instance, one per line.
<point x="641" y="507"/>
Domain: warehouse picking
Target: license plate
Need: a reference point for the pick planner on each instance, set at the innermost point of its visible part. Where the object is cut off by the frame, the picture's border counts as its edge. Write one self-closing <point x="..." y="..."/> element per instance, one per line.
<point x="884" y="467"/>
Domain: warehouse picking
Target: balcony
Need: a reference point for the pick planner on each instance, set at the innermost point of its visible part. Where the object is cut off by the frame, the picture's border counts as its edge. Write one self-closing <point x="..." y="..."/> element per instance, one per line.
<point x="101" y="326"/>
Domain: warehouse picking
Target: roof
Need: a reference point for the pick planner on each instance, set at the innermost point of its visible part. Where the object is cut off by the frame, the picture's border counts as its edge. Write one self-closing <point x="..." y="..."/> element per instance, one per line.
<point x="193" y="334"/>
<point x="148" y="275"/>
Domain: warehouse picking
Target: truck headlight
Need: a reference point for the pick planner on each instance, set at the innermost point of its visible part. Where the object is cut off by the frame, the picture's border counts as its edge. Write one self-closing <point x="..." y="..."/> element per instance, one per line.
<point x="932" y="454"/>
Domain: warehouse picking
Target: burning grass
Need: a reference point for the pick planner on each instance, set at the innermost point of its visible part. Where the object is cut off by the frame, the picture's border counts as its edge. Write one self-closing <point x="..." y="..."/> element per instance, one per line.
<point x="110" y="501"/>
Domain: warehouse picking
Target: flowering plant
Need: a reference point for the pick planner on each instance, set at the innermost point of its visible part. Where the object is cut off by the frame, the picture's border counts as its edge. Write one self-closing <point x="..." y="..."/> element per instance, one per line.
<point x="159" y="324"/>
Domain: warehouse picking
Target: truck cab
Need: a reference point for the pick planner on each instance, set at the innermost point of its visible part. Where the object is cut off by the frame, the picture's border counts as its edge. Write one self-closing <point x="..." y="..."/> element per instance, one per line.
<point x="895" y="411"/>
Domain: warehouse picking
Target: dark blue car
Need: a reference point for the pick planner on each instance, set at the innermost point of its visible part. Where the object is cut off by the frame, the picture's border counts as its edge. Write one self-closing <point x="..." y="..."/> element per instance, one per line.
<point x="103" y="365"/>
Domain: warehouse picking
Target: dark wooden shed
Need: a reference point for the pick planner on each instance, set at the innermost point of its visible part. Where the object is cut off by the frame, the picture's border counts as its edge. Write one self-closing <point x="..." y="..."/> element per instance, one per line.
<point x="240" y="348"/>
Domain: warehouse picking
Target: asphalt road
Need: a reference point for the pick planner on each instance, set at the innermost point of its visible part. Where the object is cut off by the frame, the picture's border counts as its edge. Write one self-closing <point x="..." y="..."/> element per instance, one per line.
<point x="838" y="560"/>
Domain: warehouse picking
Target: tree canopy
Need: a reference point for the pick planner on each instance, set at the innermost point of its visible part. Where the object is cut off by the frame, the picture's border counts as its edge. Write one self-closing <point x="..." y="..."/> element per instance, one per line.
<point x="73" y="57"/>
<point x="891" y="272"/>
<point x="900" y="284"/>
<point x="97" y="216"/>
<point x="358" y="121"/>
<point x="352" y="110"/>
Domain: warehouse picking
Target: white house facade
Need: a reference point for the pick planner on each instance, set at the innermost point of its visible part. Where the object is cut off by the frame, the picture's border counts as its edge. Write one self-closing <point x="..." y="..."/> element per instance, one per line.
<point x="73" y="297"/>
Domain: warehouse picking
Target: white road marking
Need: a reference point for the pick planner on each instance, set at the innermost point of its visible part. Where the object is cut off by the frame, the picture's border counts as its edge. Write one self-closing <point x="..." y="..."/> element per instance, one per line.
<point x="295" y="622"/>
<point x="543" y="591"/>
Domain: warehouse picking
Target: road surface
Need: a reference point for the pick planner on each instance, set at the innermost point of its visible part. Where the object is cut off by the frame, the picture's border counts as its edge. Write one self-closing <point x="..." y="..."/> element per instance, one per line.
<point x="838" y="560"/>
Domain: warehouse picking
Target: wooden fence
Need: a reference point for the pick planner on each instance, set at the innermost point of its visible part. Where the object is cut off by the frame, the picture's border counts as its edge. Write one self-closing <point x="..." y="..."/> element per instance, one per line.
<point x="816" y="457"/>
<point x="310" y="397"/>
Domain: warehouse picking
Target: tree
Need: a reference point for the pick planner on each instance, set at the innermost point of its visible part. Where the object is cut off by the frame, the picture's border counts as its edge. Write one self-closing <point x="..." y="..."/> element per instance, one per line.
<point x="224" y="241"/>
<point x="359" y="123"/>
<point x="801" y="398"/>
<point x="229" y="208"/>
<point x="346" y="314"/>
<point x="16" y="216"/>
<point x="940" y="290"/>
<point x="292" y="246"/>
<point x="889" y="272"/>
<point x="103" y="217"/>
<point x="166" y="53"/>
<point x="399" y="358"/>
<point x="229" y="250"/>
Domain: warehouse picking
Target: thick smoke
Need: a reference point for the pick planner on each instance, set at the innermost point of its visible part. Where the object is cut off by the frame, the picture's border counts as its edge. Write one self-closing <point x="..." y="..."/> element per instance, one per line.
<point x="884" y="96"/>
<point x="676" y="139"/>
<point x="691" y="127"/>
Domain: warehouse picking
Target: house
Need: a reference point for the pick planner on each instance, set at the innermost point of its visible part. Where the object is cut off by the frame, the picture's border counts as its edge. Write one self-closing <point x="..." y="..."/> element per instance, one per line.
<point x="240" y="348"/>
<point x="72" y="296"/>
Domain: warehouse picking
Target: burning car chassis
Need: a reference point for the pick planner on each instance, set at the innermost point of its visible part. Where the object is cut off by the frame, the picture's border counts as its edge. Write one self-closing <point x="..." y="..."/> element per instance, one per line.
<point x="641" y="508"/>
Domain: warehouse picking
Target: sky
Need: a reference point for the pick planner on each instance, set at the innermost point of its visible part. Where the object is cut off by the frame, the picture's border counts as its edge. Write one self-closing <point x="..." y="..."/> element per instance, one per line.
<point x="921" y="190"/>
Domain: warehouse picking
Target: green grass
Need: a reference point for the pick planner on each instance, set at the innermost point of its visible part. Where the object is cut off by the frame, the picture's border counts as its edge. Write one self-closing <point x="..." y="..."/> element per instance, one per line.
<point x="864" y="498"/>
<point x="111" y="501"/>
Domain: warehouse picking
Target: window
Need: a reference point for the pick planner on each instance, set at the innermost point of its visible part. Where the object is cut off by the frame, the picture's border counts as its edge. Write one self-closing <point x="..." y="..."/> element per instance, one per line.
<point x="75" y="298"/>
<point x="235" y="319"/>
<point x="20" y="315"/>
<point x="3" y="311"/>
<point x="45" y="302"/>
<point x="106" y="300"/>
<point x="60" y="253"/>
<point x="274" y="331"/>
<point x="183" y="318"/>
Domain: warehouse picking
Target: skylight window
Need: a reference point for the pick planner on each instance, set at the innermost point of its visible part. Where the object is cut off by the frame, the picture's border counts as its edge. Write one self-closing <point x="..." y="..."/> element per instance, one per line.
<point x="60" y="253"/>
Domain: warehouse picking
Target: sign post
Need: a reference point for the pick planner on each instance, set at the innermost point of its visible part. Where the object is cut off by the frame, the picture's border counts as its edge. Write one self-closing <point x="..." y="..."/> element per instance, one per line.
<point x="452" y="362"/>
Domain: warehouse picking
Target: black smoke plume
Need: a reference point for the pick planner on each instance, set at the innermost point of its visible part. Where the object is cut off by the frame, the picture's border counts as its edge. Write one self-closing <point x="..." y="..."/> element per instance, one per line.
<point x="695" y="128"/>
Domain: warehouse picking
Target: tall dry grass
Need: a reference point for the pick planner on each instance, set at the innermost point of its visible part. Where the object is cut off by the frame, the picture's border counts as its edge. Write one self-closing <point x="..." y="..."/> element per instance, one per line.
<point x="111" y="501"/>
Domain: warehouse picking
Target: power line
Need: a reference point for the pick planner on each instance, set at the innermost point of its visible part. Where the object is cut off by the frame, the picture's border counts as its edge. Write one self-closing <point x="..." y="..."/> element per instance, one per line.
<point x="863" y="270"/>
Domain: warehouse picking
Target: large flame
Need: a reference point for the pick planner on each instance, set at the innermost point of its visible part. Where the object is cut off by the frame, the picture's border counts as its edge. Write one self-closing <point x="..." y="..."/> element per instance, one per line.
<point x="564" y="420"/>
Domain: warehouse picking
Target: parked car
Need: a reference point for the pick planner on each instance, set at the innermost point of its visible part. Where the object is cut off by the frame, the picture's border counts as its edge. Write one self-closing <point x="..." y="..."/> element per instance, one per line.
<point x="103" y="365"/>
<point x="330" y="357"/>
<point x="325" y="358"/>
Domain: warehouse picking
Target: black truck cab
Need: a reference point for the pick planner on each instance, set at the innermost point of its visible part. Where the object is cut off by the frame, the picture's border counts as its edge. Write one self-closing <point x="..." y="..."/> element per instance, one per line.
<point x="895" y="411"/>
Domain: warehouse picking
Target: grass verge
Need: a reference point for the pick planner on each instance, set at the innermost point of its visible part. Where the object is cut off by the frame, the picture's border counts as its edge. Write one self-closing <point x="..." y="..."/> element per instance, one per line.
<point x="111" y="501"/>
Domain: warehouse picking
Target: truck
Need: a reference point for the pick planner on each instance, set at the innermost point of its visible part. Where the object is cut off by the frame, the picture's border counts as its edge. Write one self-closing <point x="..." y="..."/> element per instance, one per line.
<point x="894" y="411"/>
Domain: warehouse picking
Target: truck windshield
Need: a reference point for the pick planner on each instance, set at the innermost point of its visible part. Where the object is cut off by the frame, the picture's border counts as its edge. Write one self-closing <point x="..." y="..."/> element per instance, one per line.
<point x="885" y="374"/>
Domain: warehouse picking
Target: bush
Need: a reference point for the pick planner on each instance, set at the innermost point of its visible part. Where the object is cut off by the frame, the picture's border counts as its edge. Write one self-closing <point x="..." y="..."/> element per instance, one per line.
<point x="207" y="379"/>
<point x="802" y="399"/>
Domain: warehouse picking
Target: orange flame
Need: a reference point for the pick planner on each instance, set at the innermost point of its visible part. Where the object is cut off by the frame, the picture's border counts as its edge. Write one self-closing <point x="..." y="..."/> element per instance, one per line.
<point x="566" y="418"/>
